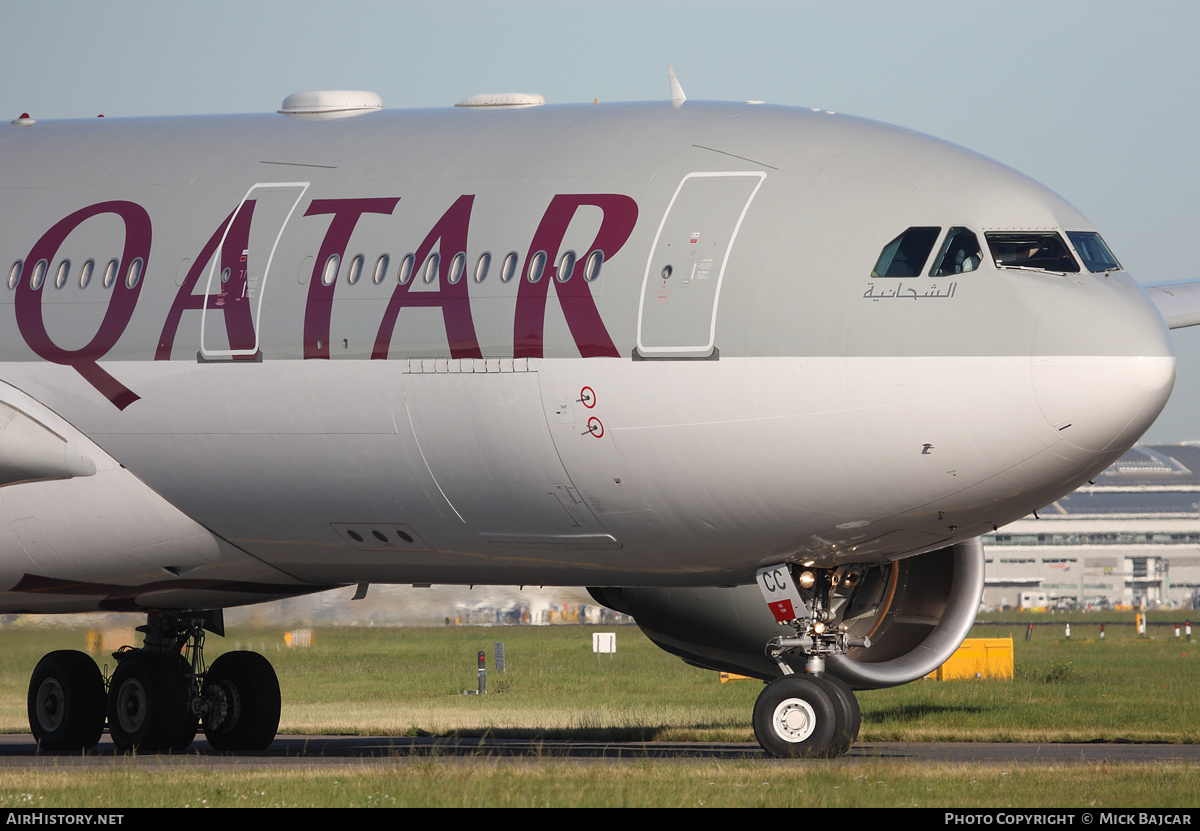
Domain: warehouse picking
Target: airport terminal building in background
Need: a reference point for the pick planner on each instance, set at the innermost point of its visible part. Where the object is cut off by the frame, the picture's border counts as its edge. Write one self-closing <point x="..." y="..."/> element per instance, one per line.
<point x="1132" y="537"/>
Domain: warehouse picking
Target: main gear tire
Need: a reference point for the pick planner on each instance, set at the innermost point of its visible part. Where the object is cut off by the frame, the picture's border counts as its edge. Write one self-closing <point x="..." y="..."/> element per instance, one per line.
<point x="242" y="699"/>
<point x="66" y="702"/>
<point x="149" y="706"/>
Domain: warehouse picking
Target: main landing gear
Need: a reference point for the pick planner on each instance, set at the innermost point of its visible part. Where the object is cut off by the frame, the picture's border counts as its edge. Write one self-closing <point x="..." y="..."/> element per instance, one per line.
<point x="157" y="698"/>
<point x="813" y="714"/>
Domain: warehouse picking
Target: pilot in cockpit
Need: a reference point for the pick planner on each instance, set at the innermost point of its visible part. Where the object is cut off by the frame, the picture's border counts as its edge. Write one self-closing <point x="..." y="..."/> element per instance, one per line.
<point x="960" y="253"/>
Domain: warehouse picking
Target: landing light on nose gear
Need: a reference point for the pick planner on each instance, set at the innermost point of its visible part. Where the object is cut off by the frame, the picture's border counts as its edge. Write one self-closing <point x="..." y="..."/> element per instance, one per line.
<point x="812" y="714"/>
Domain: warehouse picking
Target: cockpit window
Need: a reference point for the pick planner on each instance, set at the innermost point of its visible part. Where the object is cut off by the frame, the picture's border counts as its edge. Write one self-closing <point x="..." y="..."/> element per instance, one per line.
<point x="905" y="256"/>
<point x="960" y="253"/>
<point x="1041" y="250"/>
<point x="1092" y="250"/>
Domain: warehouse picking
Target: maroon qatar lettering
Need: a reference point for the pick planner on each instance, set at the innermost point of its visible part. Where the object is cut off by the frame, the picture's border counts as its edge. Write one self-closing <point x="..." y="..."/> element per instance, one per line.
<point x="450" y="232"/>
<point x="578" y="306"/>
<point x="318" y="311"/>
<point x="230" y="298"/>
<point x="449" y="235"/>
<point x="121" y="303"/>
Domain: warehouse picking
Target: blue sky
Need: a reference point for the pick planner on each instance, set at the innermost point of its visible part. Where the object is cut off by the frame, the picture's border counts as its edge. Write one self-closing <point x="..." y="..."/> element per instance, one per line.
<point x="1095" y="99"/>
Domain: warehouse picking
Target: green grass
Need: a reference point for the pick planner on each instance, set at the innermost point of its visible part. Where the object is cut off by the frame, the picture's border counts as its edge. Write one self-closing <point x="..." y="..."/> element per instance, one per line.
<point x="1122" y="688"/>
<point x="407" y="681"/>
<point x="662" y="783"/>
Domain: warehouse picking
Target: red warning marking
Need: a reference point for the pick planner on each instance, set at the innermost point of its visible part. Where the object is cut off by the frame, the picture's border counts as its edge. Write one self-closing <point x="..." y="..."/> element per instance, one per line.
<point x="595" y="427"/>
<point x="587" y="396"/>
<point x="782" y="609"/>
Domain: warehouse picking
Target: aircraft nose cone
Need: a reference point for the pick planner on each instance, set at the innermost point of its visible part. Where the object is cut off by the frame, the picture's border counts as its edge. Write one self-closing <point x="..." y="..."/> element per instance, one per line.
<point x="1103" y="402"/>
<point x="1102" y="364"/>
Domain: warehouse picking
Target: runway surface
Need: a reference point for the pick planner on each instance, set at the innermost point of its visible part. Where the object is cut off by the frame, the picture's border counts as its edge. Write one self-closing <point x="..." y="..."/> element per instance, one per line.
<point x="19" y="750"/>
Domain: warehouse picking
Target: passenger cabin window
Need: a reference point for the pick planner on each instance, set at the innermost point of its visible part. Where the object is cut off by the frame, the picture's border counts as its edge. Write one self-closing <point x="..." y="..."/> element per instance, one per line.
<point x="960" y="253"/>
<point x="1040" y="250"/>
<point x="39" y="274"/>
<point x="905" y="256"/>
<point x="1092" y="250"/>
<point x="355" y="270"/>
<point x="537" y="266"/>
<point x="330" y="272"/>
<point x="509" y="267"/>
<point x="381" y="267"/>
<point x="566" y="265"/>
<point x="591" y="269"/>
<point x="457" y="266"/>
<point x="431" y="267"/>
<point x="406" y="269"/>
<point x="134" y="275"/>
<point x="481" y="266"/>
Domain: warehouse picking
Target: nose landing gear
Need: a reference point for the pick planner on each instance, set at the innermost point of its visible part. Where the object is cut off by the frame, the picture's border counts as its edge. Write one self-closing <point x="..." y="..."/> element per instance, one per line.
<point x="806" y="715"/>
<point x="813" y="714"/>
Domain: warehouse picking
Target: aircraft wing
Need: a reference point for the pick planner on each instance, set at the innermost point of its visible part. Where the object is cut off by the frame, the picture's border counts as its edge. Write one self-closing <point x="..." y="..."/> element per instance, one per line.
<point x="1179" y="303"/>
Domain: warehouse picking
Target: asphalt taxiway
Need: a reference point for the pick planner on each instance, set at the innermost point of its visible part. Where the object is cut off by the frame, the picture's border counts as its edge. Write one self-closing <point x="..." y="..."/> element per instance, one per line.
<point x="19" y="750"/>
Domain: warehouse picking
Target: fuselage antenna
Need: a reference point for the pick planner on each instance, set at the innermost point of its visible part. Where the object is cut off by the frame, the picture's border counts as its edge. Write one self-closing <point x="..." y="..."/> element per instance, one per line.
<point x="677" y="96"/>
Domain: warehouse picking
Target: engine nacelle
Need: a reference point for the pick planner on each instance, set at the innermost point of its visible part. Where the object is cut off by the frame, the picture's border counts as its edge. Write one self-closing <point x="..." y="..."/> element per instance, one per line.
<point x="916" y="611"/>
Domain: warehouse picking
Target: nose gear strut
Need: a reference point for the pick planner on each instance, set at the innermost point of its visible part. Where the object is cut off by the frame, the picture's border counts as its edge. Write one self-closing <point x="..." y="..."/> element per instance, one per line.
<point x="813" y="714"/>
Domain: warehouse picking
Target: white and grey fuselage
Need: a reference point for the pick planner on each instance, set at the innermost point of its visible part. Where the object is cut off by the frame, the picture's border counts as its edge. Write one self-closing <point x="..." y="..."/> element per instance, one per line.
<point x="620" y="345"/>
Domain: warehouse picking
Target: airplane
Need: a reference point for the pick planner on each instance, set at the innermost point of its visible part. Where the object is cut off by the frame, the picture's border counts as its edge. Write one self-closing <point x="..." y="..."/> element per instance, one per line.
<point x="759" y="376"/>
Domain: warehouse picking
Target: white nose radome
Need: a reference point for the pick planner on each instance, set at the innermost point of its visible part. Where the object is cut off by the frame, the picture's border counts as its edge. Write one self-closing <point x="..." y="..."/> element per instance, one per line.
<point x="1101" y="402"/>
<point x="1102" y="366"/>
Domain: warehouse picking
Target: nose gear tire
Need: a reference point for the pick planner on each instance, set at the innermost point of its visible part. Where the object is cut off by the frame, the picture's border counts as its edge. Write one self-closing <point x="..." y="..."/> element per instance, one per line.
<point x="796" y="716"/>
